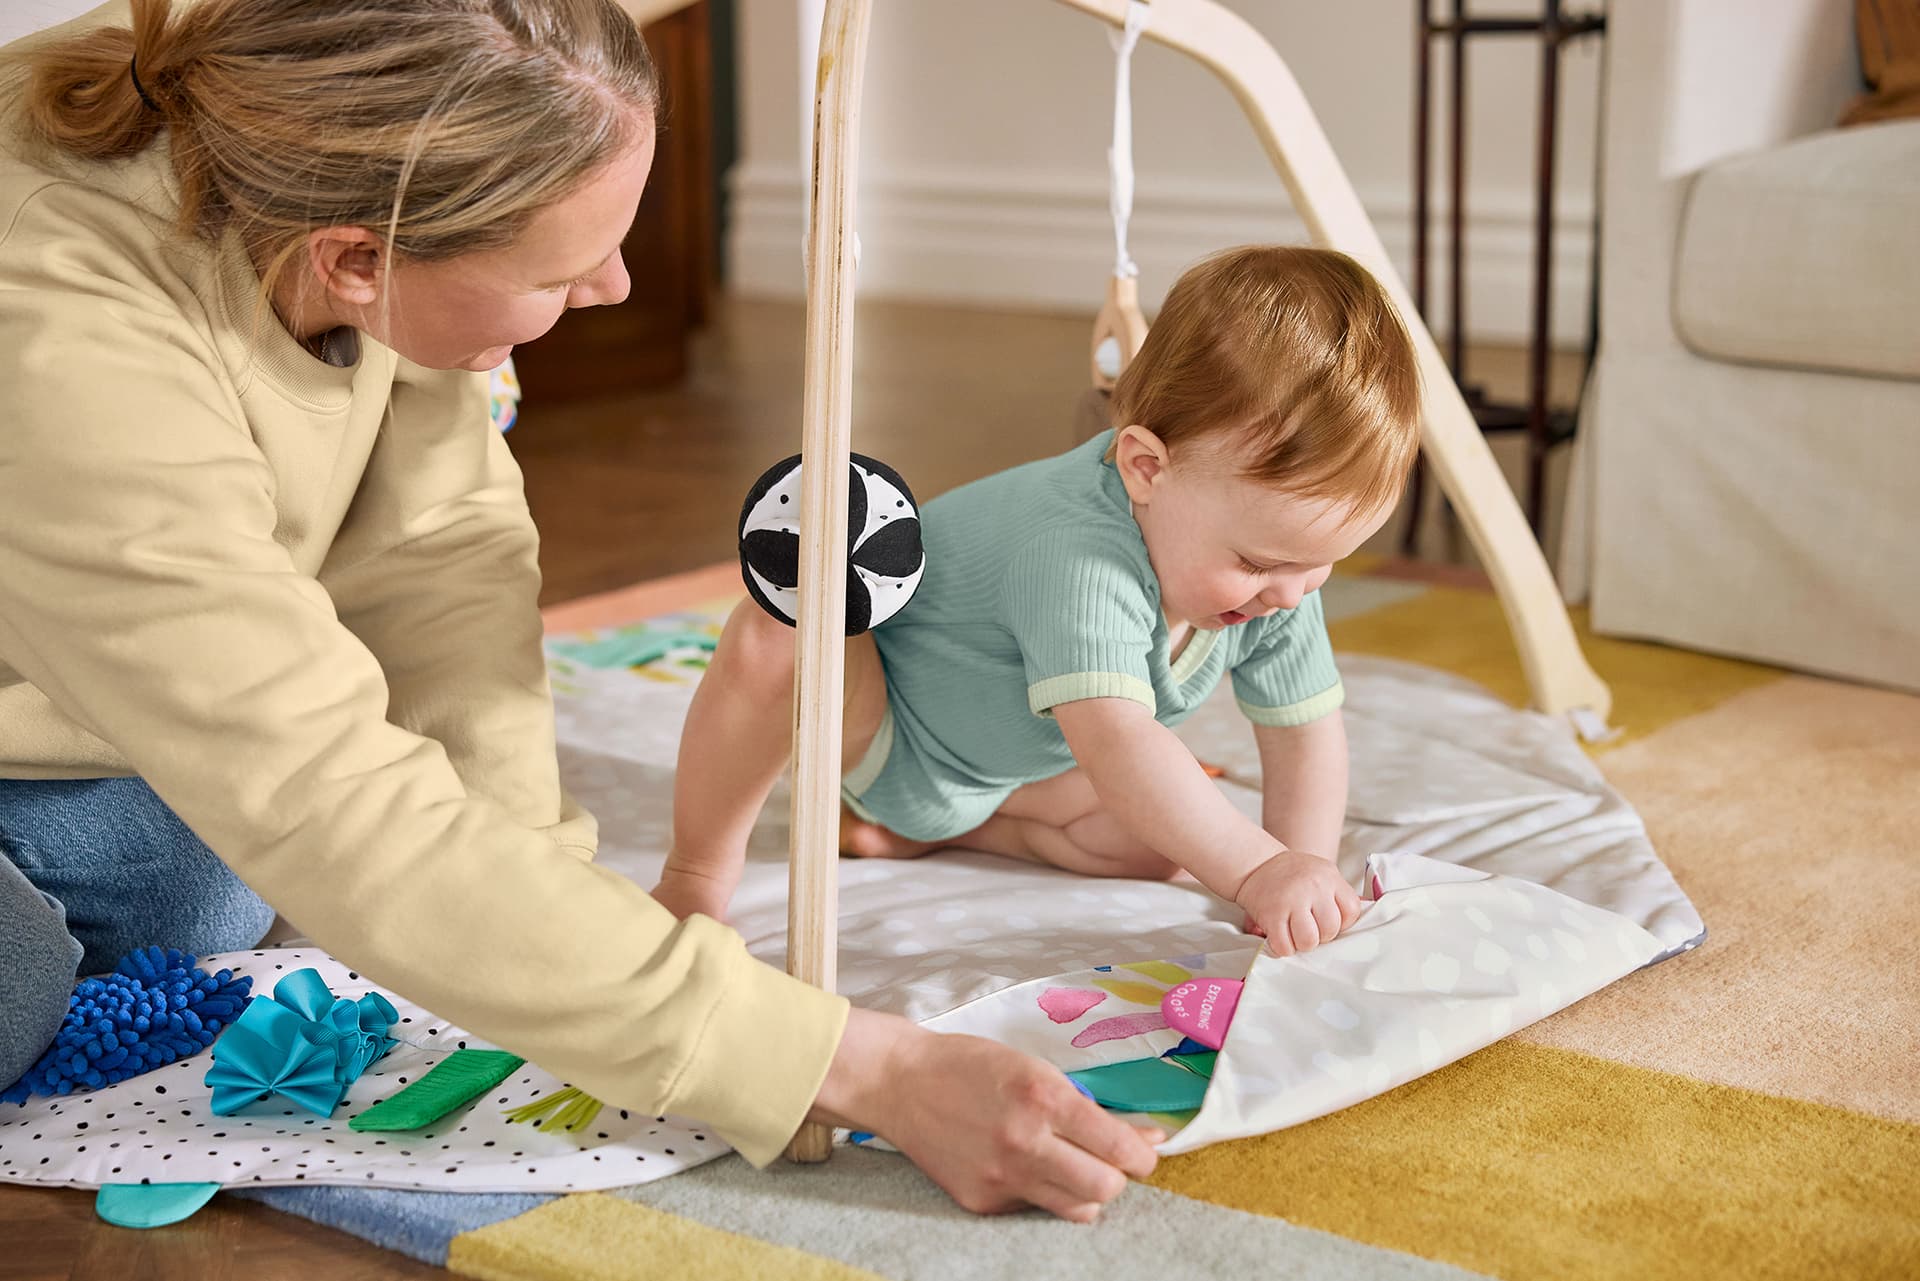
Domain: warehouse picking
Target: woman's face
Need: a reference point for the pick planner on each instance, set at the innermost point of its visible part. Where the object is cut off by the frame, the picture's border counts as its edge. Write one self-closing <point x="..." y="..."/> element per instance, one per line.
<point x="469" y="312"/>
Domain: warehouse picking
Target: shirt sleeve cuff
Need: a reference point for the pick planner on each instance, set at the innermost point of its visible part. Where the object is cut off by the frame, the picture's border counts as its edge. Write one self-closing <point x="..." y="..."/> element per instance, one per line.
<point x="761" y="1058"/>
<point x="1044" y="695"/>
<point x="1304" y="712"/>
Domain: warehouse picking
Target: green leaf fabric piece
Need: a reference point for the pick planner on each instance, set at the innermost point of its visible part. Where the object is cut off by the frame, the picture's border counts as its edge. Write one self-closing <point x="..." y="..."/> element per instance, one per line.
<point x="456" y="1081"/>
<point x="1199" y="1064"/>
<point x="151" y="1205"/>
<point x="1143" y="1085"/>
<point x="569" y="1108"/>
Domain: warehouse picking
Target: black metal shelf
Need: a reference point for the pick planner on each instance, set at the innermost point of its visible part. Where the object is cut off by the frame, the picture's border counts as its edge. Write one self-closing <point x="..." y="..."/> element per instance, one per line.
<point x="1545" y="427"/>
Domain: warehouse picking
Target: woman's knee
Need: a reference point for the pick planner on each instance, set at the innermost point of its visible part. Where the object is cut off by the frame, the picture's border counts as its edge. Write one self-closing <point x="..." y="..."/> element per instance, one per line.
<point x="141" y="876"/>
<point x="195" y="901"/>
<point x="199" y="905"/>
<point x="226" y="915"/>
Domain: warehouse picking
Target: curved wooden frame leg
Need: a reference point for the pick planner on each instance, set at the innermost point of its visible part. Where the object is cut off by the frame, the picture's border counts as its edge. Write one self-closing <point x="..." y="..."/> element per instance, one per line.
<point x="1557" y="672"/>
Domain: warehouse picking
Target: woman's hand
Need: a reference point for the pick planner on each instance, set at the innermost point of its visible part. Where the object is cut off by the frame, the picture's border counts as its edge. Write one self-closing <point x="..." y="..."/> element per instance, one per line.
<point x="1297" y="901"/>
<point x="996" y="1128"/>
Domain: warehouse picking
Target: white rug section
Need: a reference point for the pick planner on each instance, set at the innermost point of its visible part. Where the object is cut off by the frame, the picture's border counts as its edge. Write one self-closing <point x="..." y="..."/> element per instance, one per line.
<point x="1440" y="768"/>
<point x="1444" y="769"/>
<point x="161" y="1128"/>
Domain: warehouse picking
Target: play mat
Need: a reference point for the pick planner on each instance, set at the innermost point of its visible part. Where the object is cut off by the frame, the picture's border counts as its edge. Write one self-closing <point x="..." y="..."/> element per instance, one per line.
<point x="1508" y="881"/>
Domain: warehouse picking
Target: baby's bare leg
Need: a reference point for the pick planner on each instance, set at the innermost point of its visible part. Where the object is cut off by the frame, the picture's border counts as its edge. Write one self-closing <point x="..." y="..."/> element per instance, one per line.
<point x="737" y="740"/>
<point x="1061" y="821"/>
<point x="860" y="838"/>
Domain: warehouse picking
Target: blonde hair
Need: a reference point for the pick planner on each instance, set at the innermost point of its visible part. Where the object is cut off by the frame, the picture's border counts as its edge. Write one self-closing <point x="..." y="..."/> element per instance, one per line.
<point x="1292" y="358"/>
<point x="446" y="124"/>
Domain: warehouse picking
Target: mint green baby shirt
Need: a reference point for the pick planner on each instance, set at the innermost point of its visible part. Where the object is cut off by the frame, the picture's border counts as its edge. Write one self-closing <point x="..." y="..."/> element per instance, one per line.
<point x="1038" y="591"/>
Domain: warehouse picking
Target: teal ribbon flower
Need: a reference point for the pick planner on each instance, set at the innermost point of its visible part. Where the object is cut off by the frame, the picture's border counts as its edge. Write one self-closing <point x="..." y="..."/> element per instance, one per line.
<point x="303" y="1044"/>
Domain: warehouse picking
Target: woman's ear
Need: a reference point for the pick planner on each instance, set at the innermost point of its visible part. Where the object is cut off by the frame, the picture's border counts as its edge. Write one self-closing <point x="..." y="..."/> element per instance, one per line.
<point x="346" y="264"/>
<point x="1142" y="459"/>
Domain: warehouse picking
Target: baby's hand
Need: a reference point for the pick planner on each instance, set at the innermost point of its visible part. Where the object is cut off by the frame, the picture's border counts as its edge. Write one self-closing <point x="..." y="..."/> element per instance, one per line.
<point x="1297" y="901"/>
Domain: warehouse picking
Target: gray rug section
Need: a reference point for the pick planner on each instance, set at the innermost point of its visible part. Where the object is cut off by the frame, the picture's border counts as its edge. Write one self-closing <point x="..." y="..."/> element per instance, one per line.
<point x="421" y="1224"/>
<point x="874" y="1210"/>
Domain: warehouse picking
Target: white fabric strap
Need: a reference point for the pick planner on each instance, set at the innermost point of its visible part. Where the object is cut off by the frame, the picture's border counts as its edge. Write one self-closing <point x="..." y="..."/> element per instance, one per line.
<point x="1120" y="155"/>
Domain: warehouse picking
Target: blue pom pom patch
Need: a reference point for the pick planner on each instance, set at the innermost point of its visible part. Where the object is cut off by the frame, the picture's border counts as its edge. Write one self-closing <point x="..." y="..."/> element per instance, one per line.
<point x="156" y="1007"/>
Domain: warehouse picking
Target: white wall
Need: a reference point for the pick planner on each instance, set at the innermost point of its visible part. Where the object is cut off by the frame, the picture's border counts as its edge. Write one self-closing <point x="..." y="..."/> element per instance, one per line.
<point x="984" y="153"/>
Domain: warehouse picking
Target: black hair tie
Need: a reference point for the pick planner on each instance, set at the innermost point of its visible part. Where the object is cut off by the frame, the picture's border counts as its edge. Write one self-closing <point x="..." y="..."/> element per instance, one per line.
<point x="133" y="69"/>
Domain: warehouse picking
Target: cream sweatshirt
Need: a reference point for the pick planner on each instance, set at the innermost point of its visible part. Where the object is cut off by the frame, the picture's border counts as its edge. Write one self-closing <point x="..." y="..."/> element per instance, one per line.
<point x="299" y="601"/>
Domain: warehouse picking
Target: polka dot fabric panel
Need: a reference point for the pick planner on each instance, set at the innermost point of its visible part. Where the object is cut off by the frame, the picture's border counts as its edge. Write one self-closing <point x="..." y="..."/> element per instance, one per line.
<point x="160" y="1127"/>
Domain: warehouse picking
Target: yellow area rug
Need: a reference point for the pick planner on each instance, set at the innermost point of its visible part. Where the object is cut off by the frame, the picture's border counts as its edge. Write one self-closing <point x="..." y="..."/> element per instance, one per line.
<point x="1521" y="1161"/>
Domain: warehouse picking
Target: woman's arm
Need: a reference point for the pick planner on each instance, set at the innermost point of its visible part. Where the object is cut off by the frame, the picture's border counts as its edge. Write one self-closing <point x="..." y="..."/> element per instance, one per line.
<point x="436" y="571"/>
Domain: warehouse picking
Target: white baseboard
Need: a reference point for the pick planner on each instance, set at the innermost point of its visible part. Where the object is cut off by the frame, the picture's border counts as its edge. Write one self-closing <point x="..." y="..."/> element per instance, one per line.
<point x="1028" y="241"/>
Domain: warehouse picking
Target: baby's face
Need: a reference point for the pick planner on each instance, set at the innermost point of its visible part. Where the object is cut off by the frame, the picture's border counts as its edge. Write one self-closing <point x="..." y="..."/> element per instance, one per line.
<point x="1227" y="549"/>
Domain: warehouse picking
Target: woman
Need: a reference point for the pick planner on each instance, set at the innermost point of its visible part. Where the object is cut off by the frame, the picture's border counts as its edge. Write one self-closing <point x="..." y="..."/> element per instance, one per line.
<point x="267" y="578"/>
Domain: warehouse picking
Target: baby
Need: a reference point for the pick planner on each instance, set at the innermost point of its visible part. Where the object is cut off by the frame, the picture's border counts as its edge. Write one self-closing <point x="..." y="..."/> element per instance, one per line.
<point x="1074" y="609"/>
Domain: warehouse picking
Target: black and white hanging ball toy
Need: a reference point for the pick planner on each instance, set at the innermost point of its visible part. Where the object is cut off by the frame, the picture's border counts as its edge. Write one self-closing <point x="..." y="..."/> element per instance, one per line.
<point x="884" y="558"/>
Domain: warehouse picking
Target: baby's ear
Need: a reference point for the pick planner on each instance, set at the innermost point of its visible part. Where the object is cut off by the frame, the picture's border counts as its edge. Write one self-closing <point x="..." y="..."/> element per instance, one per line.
<point x="1142" y="458"/>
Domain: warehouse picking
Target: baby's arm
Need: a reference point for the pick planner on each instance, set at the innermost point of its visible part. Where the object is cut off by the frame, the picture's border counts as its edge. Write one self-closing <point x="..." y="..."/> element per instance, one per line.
<point x="1146" y="777"/>
<point x="1303" y="782"/>
<point x="733" y="748"/>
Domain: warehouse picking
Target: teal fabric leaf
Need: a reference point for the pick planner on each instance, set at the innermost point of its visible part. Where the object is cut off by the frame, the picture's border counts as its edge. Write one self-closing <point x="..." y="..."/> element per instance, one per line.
<point x="151" y="1205"/>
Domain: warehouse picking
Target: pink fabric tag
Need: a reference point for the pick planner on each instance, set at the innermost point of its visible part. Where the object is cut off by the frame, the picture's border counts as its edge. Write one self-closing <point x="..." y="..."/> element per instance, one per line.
<point x="1202" y="1009"/>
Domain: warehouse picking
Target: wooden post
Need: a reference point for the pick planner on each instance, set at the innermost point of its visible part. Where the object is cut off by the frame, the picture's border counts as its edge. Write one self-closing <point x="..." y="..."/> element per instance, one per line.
<point x="813" y="899"/>
<point x="1557" y="672"/>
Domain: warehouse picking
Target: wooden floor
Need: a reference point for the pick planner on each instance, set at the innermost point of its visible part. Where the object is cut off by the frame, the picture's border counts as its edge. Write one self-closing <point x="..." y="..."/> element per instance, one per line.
<point x="644" y="485"/>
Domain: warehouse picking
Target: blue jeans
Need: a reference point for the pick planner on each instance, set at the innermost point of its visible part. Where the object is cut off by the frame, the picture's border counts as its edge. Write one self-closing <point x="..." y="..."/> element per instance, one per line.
<point x="89" y="870"/>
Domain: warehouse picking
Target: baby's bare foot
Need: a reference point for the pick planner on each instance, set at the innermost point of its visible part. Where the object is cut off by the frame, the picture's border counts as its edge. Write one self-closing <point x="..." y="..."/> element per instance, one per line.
<point x="861" y="839"/>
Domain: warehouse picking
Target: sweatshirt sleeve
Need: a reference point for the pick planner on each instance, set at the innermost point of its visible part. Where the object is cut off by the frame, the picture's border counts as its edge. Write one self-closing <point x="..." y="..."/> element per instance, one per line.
<point x="436" y="572"/>
<point x="143" y="592"/>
